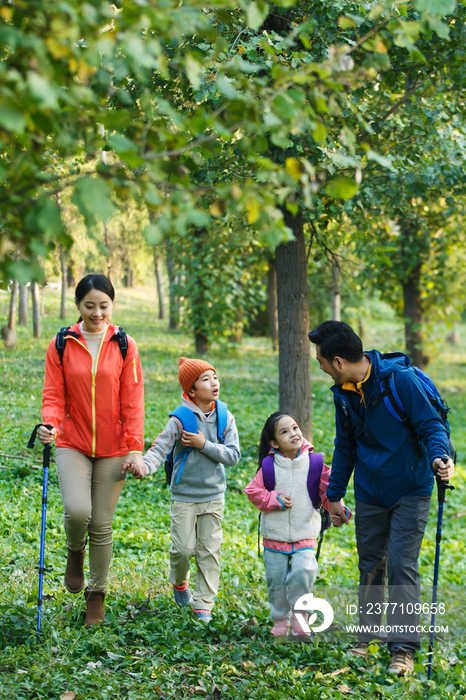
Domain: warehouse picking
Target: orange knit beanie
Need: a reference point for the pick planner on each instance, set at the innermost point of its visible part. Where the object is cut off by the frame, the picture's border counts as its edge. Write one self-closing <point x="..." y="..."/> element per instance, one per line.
<point x="189" y="371"/>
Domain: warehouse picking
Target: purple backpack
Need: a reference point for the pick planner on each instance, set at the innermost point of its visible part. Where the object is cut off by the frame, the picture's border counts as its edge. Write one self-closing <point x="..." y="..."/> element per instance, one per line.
<point x="316" y="464"/>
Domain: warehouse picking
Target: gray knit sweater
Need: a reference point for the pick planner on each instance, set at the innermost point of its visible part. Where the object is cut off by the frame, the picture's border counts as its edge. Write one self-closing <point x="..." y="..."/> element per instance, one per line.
<point x="203" y="478"/>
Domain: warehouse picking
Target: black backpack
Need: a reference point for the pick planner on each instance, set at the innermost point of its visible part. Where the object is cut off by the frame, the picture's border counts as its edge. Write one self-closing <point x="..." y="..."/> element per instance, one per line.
<point x="60" y="341"/>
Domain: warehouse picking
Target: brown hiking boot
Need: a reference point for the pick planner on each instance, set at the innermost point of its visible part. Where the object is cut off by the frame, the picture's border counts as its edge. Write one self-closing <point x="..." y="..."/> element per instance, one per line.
<point x="95" y="614"/>
<point x="401" y="663"/>
<point x="74" y="574"/>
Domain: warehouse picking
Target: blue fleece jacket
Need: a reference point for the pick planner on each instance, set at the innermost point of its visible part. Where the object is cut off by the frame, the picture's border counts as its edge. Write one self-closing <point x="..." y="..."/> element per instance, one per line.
<point x="381" y="450"/>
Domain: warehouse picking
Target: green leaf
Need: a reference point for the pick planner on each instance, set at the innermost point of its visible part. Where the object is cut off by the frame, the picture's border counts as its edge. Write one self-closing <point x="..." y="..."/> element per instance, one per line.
<point x="194" y="70"/>
<point x="319" y="134"/>
<point x="44" y="94"/>
<point x="92" y="197"/>
<point x="346" y="22"/>
<point x="26" y="270"/>
<point x="436" y="7"/>
<point x="117" y="119"/>
<point x="440" y="28"/>
<point x="3" y="172"/>
<point x="227" y="89"/>
<point x="382" y="160"/>
<point x="48" y="217"/>
<point x="12" y="119"/>
<point x="153" y="234"/>
<point x="341" y="188"/>
<point x="256" y="14"/>
<point x="121" y="143"/>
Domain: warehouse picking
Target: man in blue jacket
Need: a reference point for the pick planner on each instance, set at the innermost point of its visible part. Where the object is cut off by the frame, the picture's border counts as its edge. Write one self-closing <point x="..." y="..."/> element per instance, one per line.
<point x="394" y="466"/>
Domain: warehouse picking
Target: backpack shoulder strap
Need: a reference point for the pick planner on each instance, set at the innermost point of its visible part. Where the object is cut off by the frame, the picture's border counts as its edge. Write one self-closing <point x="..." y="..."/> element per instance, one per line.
<point x="268" y="472"/>
<point x="122" y="340"/>
<point x="391" y="398"/>
<point x="316" y="464"/>
<point x="221" y="420"/>
<point x="187" y="418"/>
<point x="60" y="340"/>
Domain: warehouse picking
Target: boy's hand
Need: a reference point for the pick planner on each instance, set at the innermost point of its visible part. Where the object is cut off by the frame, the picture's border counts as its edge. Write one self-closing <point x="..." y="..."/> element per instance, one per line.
<point x="134" y="464"/>
<point x="286" y="500"/>
<point x="196" y="440"/>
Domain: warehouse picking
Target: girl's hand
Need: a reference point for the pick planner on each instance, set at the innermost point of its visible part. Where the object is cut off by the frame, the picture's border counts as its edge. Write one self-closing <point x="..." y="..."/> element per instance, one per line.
<point x="338" y="513"/>
<point x="286" y="500"/>
<point x="45" y="435"/>
<point x="196" y="440"/>
<point x="134" y="464"/>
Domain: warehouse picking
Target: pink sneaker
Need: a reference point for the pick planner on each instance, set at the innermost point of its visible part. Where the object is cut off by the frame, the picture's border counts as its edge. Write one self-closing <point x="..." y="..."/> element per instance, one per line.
<point x="297" y="630"/>
<point x="280" y="627"/>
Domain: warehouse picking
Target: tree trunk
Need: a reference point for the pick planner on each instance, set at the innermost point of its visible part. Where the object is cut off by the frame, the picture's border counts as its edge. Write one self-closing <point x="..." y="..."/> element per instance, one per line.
<point x="63" y="281"/>
<point x="237" y="335"/>
<point x="23" y="305"/>
<point x="198" y="300"/>
<point x="293" y="326"/>
<point x="202" y="343"/>
<point x="413" y="318"/>
<point x="159" y="280"/>
<point x="272" y="302"/>
<point x="35" y="309"/>
<point x="107" y="241"/>
<point x="174" y="314"/>
<point x="336" y="293"/>
<point x="454" y="337"/>
<point x="12" y="313"/>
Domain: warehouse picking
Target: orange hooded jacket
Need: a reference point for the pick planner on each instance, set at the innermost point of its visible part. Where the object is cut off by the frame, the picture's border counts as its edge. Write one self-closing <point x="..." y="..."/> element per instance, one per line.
<point x="100" y="413"/>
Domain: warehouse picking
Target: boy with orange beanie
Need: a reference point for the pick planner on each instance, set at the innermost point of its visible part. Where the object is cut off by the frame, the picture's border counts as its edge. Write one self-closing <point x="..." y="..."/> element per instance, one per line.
<point x="197" y="485"/>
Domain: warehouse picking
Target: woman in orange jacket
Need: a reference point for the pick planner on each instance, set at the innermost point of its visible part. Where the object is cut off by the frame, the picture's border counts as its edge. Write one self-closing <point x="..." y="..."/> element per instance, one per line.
<point x="94" y="400"/>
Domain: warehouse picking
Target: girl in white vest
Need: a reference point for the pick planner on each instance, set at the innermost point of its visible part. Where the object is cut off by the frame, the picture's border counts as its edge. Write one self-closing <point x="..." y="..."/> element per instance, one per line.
<point x="290" y="525"/>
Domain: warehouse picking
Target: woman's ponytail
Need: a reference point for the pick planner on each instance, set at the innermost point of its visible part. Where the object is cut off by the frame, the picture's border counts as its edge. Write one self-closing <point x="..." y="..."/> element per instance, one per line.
<point x="268" y="434"/>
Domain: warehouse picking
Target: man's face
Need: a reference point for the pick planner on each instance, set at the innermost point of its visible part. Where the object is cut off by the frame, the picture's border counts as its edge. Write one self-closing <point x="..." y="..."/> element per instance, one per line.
<point x="330" y="368"/>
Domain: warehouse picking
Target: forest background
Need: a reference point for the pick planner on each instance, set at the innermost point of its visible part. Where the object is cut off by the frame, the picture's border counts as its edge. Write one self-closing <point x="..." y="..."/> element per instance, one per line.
<point x="271" y="165"/>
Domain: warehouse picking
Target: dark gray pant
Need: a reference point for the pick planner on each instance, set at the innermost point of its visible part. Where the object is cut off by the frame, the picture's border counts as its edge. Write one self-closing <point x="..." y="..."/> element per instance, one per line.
<point x="389" y="541"/>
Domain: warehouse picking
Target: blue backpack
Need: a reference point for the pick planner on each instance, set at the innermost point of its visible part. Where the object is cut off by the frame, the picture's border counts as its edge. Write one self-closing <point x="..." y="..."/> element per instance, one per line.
<point x="189" y="423"/>
<point x="395" y="407"/>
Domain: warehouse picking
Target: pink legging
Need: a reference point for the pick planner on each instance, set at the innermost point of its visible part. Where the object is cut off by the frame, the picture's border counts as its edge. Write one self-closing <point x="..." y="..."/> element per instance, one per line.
<point x="90" y="489"/>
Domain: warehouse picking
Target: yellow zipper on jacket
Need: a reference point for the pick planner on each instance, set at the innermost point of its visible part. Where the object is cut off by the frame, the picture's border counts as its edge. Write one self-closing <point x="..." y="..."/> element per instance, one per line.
<point x="93" y="394"/>
<point x="94" y="372"/>
<point x="135" y="372"/>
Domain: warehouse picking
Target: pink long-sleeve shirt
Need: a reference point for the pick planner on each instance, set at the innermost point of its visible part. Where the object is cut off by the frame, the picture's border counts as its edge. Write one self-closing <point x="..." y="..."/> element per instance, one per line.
<point x="267" y="501"/>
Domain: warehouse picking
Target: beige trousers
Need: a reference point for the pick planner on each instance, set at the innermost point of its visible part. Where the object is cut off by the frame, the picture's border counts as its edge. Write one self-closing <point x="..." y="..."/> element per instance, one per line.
<point x="90" y="489"/>
<point x="196" y="531"/>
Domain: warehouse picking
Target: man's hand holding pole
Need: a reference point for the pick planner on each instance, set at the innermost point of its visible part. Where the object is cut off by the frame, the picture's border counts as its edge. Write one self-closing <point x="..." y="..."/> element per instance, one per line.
<point x="444" y="467"/>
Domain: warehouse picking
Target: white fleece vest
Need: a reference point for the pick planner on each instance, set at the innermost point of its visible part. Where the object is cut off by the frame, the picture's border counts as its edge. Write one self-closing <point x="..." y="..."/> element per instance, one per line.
<point x="301" y="521"/>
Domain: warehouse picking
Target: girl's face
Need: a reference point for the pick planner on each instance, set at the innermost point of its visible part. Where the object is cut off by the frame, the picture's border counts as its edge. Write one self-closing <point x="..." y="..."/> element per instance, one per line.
<point x="96" y="310"/>
<point x="288" y="437"/>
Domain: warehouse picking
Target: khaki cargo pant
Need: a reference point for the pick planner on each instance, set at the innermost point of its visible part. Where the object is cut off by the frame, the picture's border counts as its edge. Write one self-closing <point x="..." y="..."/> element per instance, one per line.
<point x="196" y="531"/>
<point x="90" y="489"/>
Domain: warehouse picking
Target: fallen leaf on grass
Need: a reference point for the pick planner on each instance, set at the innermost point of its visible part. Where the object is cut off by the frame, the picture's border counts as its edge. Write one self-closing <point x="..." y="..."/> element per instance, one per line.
<point x="338" y="672"/>
<point x="68" y="695"/>
<point x="346" y="690"/>
<point x="216" y="695"/>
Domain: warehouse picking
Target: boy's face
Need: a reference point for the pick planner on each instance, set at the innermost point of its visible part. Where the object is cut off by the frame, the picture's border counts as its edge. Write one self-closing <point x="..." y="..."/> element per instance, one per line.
<point x="206" y="388"/>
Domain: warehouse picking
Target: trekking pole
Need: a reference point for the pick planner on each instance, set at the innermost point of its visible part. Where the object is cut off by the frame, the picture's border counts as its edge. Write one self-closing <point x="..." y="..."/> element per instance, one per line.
<point x="442" y="486"/>
<point x="45" y="464"/>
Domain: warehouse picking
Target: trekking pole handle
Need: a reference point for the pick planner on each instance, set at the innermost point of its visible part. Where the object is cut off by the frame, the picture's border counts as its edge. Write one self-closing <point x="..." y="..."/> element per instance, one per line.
<point x="442" y="485"/>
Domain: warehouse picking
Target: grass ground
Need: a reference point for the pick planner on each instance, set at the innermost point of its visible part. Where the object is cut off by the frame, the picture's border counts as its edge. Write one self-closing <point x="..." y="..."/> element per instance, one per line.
<point x="159" y="651"/>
